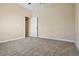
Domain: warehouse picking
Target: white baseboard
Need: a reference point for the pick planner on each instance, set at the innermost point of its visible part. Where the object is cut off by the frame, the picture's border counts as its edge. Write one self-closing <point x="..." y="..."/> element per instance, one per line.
<point x="11" y="39"/>
<point x="54" y="38"/>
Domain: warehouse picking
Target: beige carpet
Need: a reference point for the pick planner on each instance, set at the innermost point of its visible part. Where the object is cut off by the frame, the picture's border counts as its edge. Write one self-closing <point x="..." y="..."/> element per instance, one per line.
<point x="38" y="47"/>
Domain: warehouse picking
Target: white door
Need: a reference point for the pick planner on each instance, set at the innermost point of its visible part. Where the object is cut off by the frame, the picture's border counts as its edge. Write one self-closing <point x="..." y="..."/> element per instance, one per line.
<point x="33" y="28"/>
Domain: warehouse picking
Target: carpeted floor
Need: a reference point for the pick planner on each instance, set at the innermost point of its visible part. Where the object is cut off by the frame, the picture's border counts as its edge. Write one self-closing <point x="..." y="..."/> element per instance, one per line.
<point x="38" y="47"/>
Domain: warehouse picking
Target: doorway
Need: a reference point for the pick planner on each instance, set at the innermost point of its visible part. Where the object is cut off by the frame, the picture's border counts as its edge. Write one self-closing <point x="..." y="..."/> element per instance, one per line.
<point x="26" y="26"/>
<point x="31" y="26"/>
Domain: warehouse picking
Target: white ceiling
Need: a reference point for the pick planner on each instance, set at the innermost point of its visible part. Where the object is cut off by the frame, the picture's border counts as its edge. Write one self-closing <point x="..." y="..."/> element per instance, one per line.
<point x="35" y="6"/>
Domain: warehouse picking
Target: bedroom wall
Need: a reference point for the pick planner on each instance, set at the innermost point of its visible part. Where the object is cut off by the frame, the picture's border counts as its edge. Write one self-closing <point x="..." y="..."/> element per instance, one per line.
<point x="12" y="24"/>
<point x="56" y="22"/>
<point x="77" y="25"/>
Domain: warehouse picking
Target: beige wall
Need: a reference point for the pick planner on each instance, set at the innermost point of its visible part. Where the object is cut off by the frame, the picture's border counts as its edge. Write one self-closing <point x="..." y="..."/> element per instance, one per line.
<point x="12" y="23"/>
<point x="57" y="21"/>
<point x="77" y="25"/>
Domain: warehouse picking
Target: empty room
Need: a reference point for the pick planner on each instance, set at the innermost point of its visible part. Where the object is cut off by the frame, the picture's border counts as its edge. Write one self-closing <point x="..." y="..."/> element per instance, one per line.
<point x="39" y="29"/>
